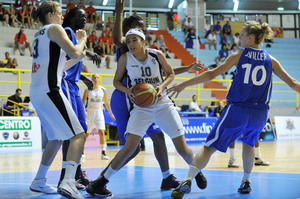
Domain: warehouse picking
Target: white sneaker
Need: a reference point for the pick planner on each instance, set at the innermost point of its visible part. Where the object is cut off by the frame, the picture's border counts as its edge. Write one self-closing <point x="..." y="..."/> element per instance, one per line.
<point x="68" y="189"/>
<point x="104" y="157"/>
<point x="42" y="186"/>
<point x="261" y="162"/>
<point x="233" y="164"/>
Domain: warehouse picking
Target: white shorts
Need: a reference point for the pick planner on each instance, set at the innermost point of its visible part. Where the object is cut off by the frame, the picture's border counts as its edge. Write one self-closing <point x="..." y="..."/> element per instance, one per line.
<point x="163" y="113"/>
<point x="57" y="116"/>
<point x="95" y="117"/>
<point x="103" y="59"/>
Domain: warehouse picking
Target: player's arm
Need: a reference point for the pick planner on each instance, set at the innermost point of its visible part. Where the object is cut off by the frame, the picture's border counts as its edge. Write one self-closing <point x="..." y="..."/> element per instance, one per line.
<point x="57" y="34"/>
<point x="191" y="68"/>
<point x="208" y="75"/>
<point x="85" y="96"/>
<point x="282" y="74"/>
<point x="107" y="105"/>
<point x="166" y="67"/>
<point x="119" y="76"/>
<point x="117" y="29"/>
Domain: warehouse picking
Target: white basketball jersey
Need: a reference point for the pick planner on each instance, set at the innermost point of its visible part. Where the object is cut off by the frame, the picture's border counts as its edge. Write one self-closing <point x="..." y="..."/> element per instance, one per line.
<point x="148" y="72"/>
<point x="95" y="99"/>
<point x="48" y="63"/>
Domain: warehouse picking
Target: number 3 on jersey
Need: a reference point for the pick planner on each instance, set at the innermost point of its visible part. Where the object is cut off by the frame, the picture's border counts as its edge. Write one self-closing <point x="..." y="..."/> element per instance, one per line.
<point x="35" y="45"/>
<point x="253" y="75"/>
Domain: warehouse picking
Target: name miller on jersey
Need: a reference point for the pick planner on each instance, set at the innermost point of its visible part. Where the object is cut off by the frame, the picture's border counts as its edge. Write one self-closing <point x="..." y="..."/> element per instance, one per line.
<point x="256" y="55"/>
<point x="153" y="80"/>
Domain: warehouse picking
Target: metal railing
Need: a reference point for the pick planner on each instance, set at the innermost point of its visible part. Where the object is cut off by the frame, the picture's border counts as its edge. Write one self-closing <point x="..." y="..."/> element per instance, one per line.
<point x="16" y="108"/>
<point x="197" y="89"/>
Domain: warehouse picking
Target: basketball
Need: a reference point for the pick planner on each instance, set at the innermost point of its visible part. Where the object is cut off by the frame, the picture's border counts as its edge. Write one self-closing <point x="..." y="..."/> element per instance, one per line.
<point x="144" y="95"/>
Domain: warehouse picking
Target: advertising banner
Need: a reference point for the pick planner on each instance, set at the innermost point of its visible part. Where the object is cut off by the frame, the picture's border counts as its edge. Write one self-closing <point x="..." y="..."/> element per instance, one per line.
<point x="20" y="134"/>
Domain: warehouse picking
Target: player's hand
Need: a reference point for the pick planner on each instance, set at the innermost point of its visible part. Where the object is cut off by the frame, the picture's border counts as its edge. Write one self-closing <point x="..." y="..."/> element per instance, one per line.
<point x="80" y="34"/>
<point x="130" y="94"/>
<point x="119" y="6"/>
<point x="95" y="57"/>
<point x="159" y="91"/>
<point x="175" y="89"/>
<point x="195" y="67"/>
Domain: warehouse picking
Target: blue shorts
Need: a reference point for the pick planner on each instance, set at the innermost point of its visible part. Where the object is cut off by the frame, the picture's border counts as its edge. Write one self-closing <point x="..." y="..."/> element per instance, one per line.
<point x="71" y="91"/>
<point x="236" y="121"/>
<point x="120" y="109"/>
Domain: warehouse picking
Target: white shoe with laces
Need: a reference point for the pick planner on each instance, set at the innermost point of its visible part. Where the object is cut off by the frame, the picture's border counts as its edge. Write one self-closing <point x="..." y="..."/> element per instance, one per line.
<point x="233" y="164"/>
<point x="68" y="189"/>
<point x="104" y="157"/>
<point x="41" y="185"/>
<point x="261" y="162"/>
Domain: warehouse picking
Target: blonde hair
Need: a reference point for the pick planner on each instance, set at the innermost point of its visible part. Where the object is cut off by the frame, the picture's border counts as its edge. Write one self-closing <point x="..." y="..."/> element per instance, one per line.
<point x="260" y="31"/>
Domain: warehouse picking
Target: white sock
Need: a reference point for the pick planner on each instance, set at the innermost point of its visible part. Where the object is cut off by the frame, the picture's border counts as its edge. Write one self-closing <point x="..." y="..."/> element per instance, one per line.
<point x="103" y="147"/>
<point x="246" y="176"/>
<point x="166" y="174"/>
<point x="193" y="171"/>
<point x="257" y="152"/>
<point x="109" y="172"/>
<point x="231" y="153"/>
<point x="42" y="172"/>
<point x="71" y="168"/>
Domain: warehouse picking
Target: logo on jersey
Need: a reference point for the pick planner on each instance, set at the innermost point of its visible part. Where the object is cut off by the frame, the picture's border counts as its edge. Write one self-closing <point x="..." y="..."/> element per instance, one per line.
<point x="153" y="61"/>
<point x="134" y="66"/>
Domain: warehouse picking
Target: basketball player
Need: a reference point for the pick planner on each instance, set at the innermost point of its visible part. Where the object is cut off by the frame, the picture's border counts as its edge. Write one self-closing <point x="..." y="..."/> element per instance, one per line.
<point x="248" y="102"/>
<point x="51" y="45"/>
<point x="74" y="20"/>
<point x="121" y="103"/>
<point x="143" y="65"/>
<point x="94" y="111"/>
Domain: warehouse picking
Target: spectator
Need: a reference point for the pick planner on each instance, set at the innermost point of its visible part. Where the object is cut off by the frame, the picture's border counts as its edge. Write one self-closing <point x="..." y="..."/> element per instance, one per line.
<point x="10" y="106"/>
<point x="219" y="109"/>
<point x="99" y="24"/>
<point x="194" y="107"/>
<point x="191" y="40"/>
<point x="227" y="29"/>
<point x="212" y="39"/>
<point x="109" y="24"/>
<point x="70" y="5"/>
<point x="162" y="45"/>
<point x="211" y="29"/>
<point x="100" y="51"/>
<point x="81" y="5"/>
<point x="214" y="65"/>
<point x="217" y="27"/>
<point x="223" y="54"/>
<point x="104" y="43"/>
<point x="23" y="16"/>
<point x="9" y="62"/>
<point x="107" y="30"/>
<point x="91" y="13"/>
<point x="170" y="19"/>
<point x="111" y="45"/>
<point x="12" y="17"/>
<point x="154" y="45"/>
<point x="21" y="39"/>
<point x="92" y="40"/>
<point x="188" y="25"/>
<point x="211" y="109"/>
<point x="233" y="49"/>
<point x="4" y="15"/>
<point x="148" y="38"/>
<point x="207" y="26"/>
<point x="236" y="40"/>
<point x="224" y="40"/>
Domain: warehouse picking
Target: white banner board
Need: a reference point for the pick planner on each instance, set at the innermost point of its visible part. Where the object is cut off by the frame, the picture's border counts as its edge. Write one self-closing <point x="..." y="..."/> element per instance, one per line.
<point x="287" y="127"/>
<point x="21" y="134"/>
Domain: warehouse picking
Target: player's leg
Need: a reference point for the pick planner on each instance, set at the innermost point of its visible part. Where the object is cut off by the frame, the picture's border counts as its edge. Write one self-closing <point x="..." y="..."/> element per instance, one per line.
<point x="259" y="161"/>
<point x="231" y="162"/>
<point x="103" y="144"/>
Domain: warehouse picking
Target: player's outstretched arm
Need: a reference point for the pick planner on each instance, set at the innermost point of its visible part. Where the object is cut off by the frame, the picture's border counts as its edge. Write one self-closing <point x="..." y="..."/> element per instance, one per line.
<point x="117" y="29"/>
<point x="282" y="74"/>
<point x="191" y="68"/>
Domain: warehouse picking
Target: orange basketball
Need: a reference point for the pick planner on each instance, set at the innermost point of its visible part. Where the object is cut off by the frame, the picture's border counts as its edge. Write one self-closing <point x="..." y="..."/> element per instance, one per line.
<point x="144" y="95"/>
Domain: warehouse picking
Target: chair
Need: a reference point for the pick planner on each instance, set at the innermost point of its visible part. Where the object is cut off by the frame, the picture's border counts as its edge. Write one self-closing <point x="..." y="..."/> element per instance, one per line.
<point x="184" y="108"/>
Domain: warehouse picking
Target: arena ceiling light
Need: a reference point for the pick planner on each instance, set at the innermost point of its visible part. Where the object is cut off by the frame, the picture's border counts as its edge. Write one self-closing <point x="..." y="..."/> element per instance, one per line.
<point x="171" y="2"/>
<point x="104" y="2"/>
<point x="236" y="5"/>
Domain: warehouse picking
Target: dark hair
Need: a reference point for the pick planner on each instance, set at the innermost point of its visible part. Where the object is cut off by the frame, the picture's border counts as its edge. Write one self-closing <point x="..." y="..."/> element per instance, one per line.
<point x="41" y="13"/>
<point x="134" y="21"/>
<point x="18" y="89"/>
<point x="194" y="96"/>
<point x="70" y="16"/>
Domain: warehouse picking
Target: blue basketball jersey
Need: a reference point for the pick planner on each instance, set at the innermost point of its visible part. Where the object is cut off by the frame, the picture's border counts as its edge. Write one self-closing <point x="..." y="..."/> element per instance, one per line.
<point x="252" y="84"/>
<point x="73" y="74"/>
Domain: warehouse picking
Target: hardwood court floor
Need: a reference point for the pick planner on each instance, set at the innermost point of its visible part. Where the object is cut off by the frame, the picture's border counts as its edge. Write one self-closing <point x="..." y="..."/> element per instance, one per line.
<point x="142" y="177"/>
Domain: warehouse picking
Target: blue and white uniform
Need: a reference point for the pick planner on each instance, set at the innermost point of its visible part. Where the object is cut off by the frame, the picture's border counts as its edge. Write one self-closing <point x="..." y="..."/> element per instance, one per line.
<point x="248" y="102"/>
<point x="70" y="88"/>
<point x="54" y="110"/>
<point x="163" y="112"/>
<point x="121" y="106"/>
